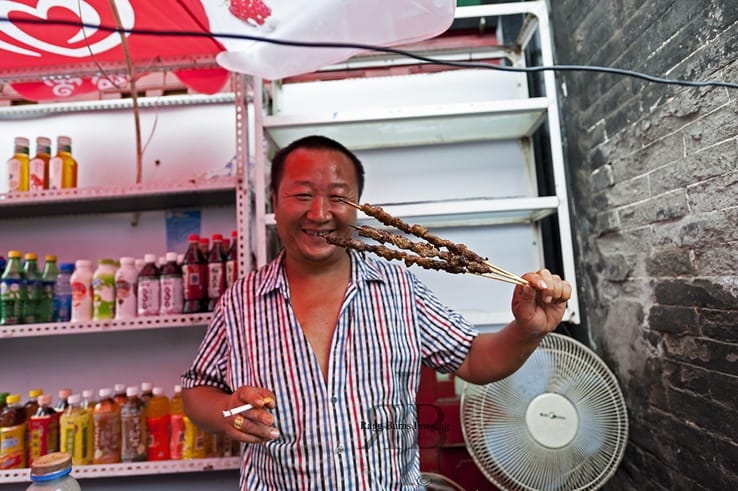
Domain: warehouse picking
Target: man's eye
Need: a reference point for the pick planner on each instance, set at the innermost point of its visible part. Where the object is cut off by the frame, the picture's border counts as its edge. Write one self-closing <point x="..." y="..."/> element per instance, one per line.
<point x="338" y="197"/>
<point x="303" y="196"/>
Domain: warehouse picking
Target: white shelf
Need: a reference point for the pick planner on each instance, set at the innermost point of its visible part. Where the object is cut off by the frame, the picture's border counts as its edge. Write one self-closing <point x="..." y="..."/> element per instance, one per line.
<point x="139" y="323"/>
<point x="416" y="125"/>
<point x="121" y="198"/>
<point x="134" y="469"/>
<point x="466" y="212"/>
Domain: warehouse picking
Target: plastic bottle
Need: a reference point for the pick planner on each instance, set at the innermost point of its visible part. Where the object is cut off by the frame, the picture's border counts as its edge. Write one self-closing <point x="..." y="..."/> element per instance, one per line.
<point x="88" y="400"/>
<point x="63" y="293"/>
<point x="177" y="428"/>
<point x="63" y="402"/>
<point x="119" y="394"/>
<point x="126" y="278"/>
<point x="133" y="427"/>
<point x="81" y="281"/>
<point x="18" y="166"/>
<point x="13" y="434"/>
<point x="216" y="272"/>
<point x="195" y="441"/>
<point x="76" y="428"/>
<point x="147" y="296"/>
<point x="171" y="286"/>
<point x="194" y="274"/>
<point x="48" y="280"/>
<point x="12" y="291"/>
<point x="43" y="430"/>
<point x="63" y="167"/>
<point x="147" y="391"/>
<point x="103" y="290"/>
<point x="3" y="397"/>
<point x="106" y="417"/>
<point x="52" y="472"/>
<point x="38" y="167"/>
<point x="232" y="260"/>
<point x="31" y="405"/>
<point x="157" y="426"/>
<point x="34" y="289"/>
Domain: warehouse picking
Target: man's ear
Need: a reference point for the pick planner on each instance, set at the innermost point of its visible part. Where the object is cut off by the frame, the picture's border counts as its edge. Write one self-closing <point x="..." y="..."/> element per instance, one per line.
<point x="274" y="200"/>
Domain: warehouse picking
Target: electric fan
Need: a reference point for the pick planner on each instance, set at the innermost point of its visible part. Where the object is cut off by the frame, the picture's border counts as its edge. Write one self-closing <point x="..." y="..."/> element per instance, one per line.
<point x="558" y="423"/>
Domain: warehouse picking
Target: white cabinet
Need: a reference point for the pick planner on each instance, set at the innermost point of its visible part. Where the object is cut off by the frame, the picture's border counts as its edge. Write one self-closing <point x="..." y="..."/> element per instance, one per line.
<point x="451" y="150"/>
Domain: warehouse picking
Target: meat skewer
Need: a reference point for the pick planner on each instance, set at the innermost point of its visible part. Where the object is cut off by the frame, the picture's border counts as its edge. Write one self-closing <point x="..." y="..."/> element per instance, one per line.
<point x="459" y="250"/>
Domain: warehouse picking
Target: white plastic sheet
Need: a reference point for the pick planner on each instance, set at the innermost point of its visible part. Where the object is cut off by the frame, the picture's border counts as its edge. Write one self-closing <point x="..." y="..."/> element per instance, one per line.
<point x="368" y="22"/>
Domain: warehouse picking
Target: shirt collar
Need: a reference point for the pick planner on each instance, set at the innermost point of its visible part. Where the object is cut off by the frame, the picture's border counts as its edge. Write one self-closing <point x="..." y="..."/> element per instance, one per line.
<point x="363" y="270"/>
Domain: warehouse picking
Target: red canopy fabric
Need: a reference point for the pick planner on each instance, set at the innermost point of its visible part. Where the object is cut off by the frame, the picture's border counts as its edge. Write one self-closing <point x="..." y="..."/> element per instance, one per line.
<point x="27" y="48"/>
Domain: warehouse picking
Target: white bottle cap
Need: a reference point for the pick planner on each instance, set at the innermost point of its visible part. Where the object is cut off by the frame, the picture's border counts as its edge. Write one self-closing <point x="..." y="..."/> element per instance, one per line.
<point x="105" y="392"/>
<point x="132" y="391"/>
<point x="150" y="258"/>
<point x="171" y="256"/>
<point x="73" y="399"/>
<point x="146" y="386"/>
<point x="157" y="391"/>
<point x="88" y="393"/>
<point x="126" y="261"/>
<point x="177" y="389"/>
<point x="119" y="388"/>
<point x="82" y="263"/>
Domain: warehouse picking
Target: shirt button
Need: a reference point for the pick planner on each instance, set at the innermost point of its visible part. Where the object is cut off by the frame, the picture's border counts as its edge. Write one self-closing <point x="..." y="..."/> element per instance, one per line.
<point x="339" y="449"/>
<point x="334" y="400"/>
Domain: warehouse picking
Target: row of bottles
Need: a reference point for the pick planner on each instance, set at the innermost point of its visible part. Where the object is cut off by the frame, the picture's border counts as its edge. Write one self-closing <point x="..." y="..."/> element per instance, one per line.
<point x="188" y="283"/>
<point x="42" y="171"/>
<point x="127" y="424"/>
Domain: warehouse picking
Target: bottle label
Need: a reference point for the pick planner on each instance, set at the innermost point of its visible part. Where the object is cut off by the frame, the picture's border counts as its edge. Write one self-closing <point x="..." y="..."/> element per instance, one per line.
<point x="177" y="436"/>
<point x="107" y="438"/>
<point x="172" y="295"/>
<point x="125" y="293"/>
<point x="103" y="297"/>
<point x="231" y="272"/>
<point x="148" y="296"/>
<point x="12" y="447"/>
<point x="194" y="442"/>
<point x="36" y="175"/>
<point x="76" y="436"/>
<point x="216" y="281"/>
<point x="81" y="301"/>
<point x="14" y="173"/>
<point x="158" y="430"/>
<point x="192" y="276"/>
<point x="56" y="166"/>
<point x="12" y="298"/>
<point x="133" y="433"/>
<point x="44" y="435"/>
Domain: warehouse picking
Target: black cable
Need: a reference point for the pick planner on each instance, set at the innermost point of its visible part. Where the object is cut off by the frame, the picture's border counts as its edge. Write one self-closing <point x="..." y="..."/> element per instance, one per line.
<point x="383" y="49"/>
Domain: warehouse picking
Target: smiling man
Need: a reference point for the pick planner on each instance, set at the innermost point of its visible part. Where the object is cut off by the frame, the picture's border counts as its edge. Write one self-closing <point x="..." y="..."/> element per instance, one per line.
<point x="327" y="344"/>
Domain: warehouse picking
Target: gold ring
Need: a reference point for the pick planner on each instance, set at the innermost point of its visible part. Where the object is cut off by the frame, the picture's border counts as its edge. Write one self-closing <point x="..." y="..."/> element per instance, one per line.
<point x="238" y="422"/>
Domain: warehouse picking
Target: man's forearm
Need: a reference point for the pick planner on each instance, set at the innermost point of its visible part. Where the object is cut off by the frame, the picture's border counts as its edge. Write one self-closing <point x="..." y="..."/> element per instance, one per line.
<point x="204" y="406"/>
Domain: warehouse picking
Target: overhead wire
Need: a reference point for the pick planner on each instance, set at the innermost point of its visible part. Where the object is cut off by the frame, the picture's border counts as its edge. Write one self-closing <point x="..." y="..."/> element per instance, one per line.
<point x="389" y="50"/>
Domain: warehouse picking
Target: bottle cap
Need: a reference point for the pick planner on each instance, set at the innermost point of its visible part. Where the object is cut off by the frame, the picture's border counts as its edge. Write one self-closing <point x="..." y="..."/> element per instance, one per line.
<point x="105" y="392"/>
<point x="44" y="400"/>
<point x="64" y="393"/>
<point x="234" y="233"/>
<point x="217" y="237"/>
<point x="67" y="268"/>
<point x="74" y="399"/>
<point x="34" y="393"/>
<point x="146" y="386"/>
<point x="13" y="399"/>
<point x="14" y="254"/>
<point x="43" y="141"/>
<point x="157" y="391"/>
<point x="88" y="393"/>
<point x="119" y="388"/>
<point x="21" y="140"/>
<point x="150" y="258"/>
<point x="107" y="262"/>
<point x="177" y="389"/>
<point x="51" y="463"/>
<point x="31" y="256"/>
<point x="63" y="140"/>
<point x="171" y="257"/>
<point x="82" y="263"/>
<point x="194" y="238"/>
<point x="132" y="391"/>
<point x="126" y="261"/>
<point x="49" y="258"/>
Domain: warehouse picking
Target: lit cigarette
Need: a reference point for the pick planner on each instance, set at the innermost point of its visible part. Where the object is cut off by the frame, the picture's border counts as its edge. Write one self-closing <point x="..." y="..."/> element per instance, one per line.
<point x="242" y="409"/>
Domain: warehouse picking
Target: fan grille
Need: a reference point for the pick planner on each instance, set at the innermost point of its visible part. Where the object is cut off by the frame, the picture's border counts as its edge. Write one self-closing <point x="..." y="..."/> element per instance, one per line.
<point x="510" y="452"/>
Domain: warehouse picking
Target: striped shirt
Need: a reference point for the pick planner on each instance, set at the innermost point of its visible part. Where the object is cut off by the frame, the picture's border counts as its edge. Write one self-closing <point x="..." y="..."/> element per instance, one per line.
<point x="357" y="428"/>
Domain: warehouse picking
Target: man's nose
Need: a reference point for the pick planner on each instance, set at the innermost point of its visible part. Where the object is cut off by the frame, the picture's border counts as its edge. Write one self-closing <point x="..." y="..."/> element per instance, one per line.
<point x="319" y="209"/>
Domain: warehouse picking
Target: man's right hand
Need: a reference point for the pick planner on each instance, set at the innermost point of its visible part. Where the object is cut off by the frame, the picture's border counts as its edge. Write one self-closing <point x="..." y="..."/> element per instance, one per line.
<point x="255" y="425"/>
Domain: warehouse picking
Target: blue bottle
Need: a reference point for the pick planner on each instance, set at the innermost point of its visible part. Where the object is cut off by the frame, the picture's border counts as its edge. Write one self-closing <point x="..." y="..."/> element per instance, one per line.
<point x="63" y="293"/>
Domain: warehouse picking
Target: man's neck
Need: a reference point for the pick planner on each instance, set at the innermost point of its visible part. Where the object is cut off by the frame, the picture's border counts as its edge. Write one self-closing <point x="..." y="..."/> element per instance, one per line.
<point x="338" y="270"/>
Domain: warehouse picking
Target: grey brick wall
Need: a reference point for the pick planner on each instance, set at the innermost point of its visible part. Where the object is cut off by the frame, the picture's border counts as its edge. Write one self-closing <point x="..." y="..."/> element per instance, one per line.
<point x="654" y="183"/>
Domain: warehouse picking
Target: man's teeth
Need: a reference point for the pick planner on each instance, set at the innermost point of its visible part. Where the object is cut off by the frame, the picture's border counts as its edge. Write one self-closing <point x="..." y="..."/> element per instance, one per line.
<point x="317" y="234"/>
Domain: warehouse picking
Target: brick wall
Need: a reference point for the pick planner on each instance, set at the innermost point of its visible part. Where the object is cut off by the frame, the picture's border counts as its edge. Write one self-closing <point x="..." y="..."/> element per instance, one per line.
<point x="654" y="180"/>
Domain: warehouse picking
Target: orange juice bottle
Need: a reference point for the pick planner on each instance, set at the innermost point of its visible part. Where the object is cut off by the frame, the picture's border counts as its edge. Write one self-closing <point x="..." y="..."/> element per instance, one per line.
<point x="157" y="425"/>
<point x="76" y="428"/>
<point x="13" y="434"/>
<point x="106" y="417"/>
<point x="38" y="167"/>
<point x="177" y="433"/>
<point x="18" y="166"/>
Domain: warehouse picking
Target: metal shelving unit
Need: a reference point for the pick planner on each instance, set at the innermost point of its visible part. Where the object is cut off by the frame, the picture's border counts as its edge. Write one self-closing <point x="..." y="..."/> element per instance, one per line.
<point x="421" y="111"/>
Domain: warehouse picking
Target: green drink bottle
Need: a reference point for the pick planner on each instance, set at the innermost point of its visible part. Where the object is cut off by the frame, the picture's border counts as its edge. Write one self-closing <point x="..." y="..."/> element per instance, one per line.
<point x="34" y="289"/>
<point x="12" y="291"/>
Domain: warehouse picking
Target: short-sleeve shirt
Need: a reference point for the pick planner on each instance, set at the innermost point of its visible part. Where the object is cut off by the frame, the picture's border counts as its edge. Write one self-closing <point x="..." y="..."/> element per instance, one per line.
<point x="357" y="428"/>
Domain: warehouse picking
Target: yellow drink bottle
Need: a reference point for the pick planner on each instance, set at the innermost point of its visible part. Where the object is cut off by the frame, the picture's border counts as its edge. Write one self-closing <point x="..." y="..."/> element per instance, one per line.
<point x="38" y="167"/>
<point x="62" y="167"/>
<point x="76" y="428"/>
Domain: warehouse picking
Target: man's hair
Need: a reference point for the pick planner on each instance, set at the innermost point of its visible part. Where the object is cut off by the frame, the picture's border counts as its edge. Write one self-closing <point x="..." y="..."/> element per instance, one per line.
<point x="317" y="142"/>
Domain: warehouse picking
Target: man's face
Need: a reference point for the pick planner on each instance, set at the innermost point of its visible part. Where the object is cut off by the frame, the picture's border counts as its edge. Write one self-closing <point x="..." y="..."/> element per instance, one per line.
<point x="307" y="206"/>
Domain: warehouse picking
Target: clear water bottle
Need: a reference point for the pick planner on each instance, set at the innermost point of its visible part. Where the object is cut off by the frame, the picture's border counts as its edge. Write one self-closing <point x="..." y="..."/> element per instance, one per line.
<point x="63" y="293"/>
<point x="52" y="472"/>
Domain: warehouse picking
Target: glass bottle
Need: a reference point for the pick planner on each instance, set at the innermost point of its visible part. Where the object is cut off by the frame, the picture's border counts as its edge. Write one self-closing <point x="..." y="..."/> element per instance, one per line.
<point x="18" y="166"/>
<point x="63" y="167"/>
<point x="38" y="167"/>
